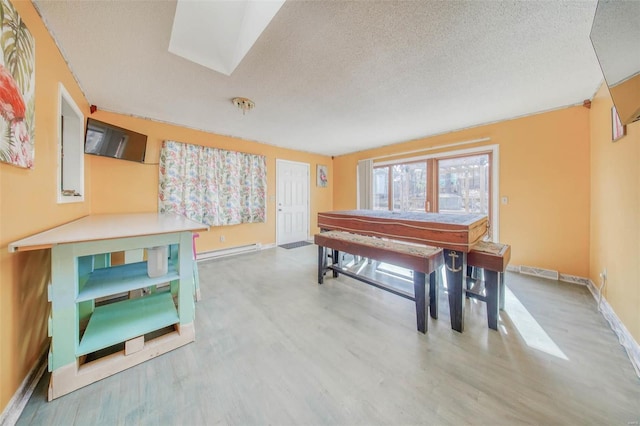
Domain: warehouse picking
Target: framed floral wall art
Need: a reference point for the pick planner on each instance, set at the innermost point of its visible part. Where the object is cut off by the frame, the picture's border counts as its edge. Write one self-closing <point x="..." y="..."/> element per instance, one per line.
<point x="322" y="176"/>
<point x="17" y="89"/>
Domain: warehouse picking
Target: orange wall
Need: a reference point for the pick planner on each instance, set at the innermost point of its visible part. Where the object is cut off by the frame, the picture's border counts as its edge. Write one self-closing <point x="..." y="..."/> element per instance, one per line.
<point x="28" y="205"/>
<point x="544" y="170"/>
<point x="121" y="186"/>
<point x="615" y="213"/>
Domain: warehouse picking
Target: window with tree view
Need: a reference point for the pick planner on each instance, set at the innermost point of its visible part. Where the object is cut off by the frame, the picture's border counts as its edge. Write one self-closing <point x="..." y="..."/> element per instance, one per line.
<point x="407" y="189"/>
<point x="381" y="188"/>
<point x="463" y="184"/>
<point x="452" y="184"/>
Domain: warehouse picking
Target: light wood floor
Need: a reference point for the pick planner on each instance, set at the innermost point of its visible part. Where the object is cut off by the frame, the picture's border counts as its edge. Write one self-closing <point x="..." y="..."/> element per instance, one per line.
<point x="274" y="347"/>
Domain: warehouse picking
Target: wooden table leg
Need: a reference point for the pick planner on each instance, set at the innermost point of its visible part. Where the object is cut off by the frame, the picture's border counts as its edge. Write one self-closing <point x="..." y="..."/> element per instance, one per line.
<point x="502" y="289"/>
<point x="419" y="288"/>
<point x="492" y="297"/>
<point x="455" y="266"/>
<point x="322" y="259"/>
<point x="434" y="291"/>
<point x="335" y="259"/>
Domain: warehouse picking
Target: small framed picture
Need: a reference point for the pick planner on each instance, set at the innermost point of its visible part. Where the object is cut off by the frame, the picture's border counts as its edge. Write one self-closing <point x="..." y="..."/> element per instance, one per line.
<point x="322" y="176"/>
<point x="617" y="129"/>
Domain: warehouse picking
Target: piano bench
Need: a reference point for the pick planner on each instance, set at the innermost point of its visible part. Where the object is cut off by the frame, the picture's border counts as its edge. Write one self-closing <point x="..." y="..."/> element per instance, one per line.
<point x="421" y="259"/>
<point x="493" y="258"/>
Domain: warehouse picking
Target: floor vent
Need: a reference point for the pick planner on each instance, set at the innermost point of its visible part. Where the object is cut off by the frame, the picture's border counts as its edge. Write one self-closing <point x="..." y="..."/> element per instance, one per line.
<point x="513" y="268"/>
<point x="215" y="254"/>
<point x="573" y="279"/>
<point x="539" y="272"/>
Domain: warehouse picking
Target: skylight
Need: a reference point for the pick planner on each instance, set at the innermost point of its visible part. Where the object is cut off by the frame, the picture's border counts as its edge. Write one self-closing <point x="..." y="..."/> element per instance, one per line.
<point x="218" y="34"/>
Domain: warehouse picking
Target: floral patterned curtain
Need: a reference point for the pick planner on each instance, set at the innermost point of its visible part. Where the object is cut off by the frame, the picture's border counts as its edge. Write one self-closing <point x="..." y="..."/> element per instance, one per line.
<point x="212" y="186"/>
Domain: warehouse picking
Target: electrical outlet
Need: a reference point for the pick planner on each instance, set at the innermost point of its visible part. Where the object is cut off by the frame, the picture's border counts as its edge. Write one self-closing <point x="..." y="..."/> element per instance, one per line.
<point x="222" y="238"/>
<point x="603" y="274"/>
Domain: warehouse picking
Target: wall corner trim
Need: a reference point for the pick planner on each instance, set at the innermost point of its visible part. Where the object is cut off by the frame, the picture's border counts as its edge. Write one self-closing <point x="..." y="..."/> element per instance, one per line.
<point x="13" y="410"/>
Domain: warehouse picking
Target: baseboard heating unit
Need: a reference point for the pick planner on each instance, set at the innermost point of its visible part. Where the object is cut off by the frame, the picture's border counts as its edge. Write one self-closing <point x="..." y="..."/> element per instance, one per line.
<point x="230" y="251"/>
<point x="539" y="272"/>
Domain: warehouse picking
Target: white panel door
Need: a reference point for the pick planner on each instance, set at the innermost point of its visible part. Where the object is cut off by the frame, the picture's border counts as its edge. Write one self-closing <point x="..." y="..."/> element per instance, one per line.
<point x="292" y="201"/>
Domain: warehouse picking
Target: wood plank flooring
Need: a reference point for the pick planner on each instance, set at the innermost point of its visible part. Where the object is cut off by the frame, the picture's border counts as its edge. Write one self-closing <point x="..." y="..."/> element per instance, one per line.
<point x="274" y="347"/>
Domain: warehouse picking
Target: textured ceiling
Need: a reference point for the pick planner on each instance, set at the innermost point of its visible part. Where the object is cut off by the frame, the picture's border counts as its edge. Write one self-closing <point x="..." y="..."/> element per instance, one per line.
<point x="334" y="77"/>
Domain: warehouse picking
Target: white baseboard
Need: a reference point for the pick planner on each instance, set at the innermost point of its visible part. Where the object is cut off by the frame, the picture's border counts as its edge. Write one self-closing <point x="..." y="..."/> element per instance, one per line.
<point x="12" y="411"/>
<point x="574" y="279"/>
<point x="539" y="272"/>
<point x="548" y="274"/>
<point x="624" y="337"/>
<point x="513" y="268"/>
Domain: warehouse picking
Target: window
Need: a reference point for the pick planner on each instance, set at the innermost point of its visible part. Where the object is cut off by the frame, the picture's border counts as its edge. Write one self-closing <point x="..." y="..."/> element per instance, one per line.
<point x="408" y="187"/>
<point x="70" y="149"/>
<point x="459" y="182"/>
<point x="463" y="184"/>
<point x="381" y="188"/>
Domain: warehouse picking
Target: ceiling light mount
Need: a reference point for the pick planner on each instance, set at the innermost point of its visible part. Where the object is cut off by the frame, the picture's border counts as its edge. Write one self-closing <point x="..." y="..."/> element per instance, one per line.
<point x="243" y="104"/>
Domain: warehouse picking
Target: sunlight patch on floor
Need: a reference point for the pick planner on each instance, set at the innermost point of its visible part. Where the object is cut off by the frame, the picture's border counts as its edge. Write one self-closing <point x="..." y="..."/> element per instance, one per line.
<point x="353" y="262"/>
<point x="395" y="271"/>
<point x="532" y="333"/>
<point x="362" y="266"/>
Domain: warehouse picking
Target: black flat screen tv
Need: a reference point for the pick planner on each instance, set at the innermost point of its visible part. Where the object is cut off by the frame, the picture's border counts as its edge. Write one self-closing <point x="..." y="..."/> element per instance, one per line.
<point x="112" y="141"/>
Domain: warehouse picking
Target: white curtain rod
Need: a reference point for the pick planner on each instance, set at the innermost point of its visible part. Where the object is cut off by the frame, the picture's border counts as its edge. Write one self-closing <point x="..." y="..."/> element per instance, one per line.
<point x="432" y="148"/>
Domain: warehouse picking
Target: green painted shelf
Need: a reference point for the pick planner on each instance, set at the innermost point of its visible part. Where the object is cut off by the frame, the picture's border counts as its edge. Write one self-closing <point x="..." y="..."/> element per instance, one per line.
<point x="117" y="322"/>
<point x="120" y="279"/>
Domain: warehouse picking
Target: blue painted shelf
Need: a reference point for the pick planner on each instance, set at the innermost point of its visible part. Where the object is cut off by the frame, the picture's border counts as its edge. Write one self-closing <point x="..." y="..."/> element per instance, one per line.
<point x="117" y="322"/>
<point x="122" y="278"/>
